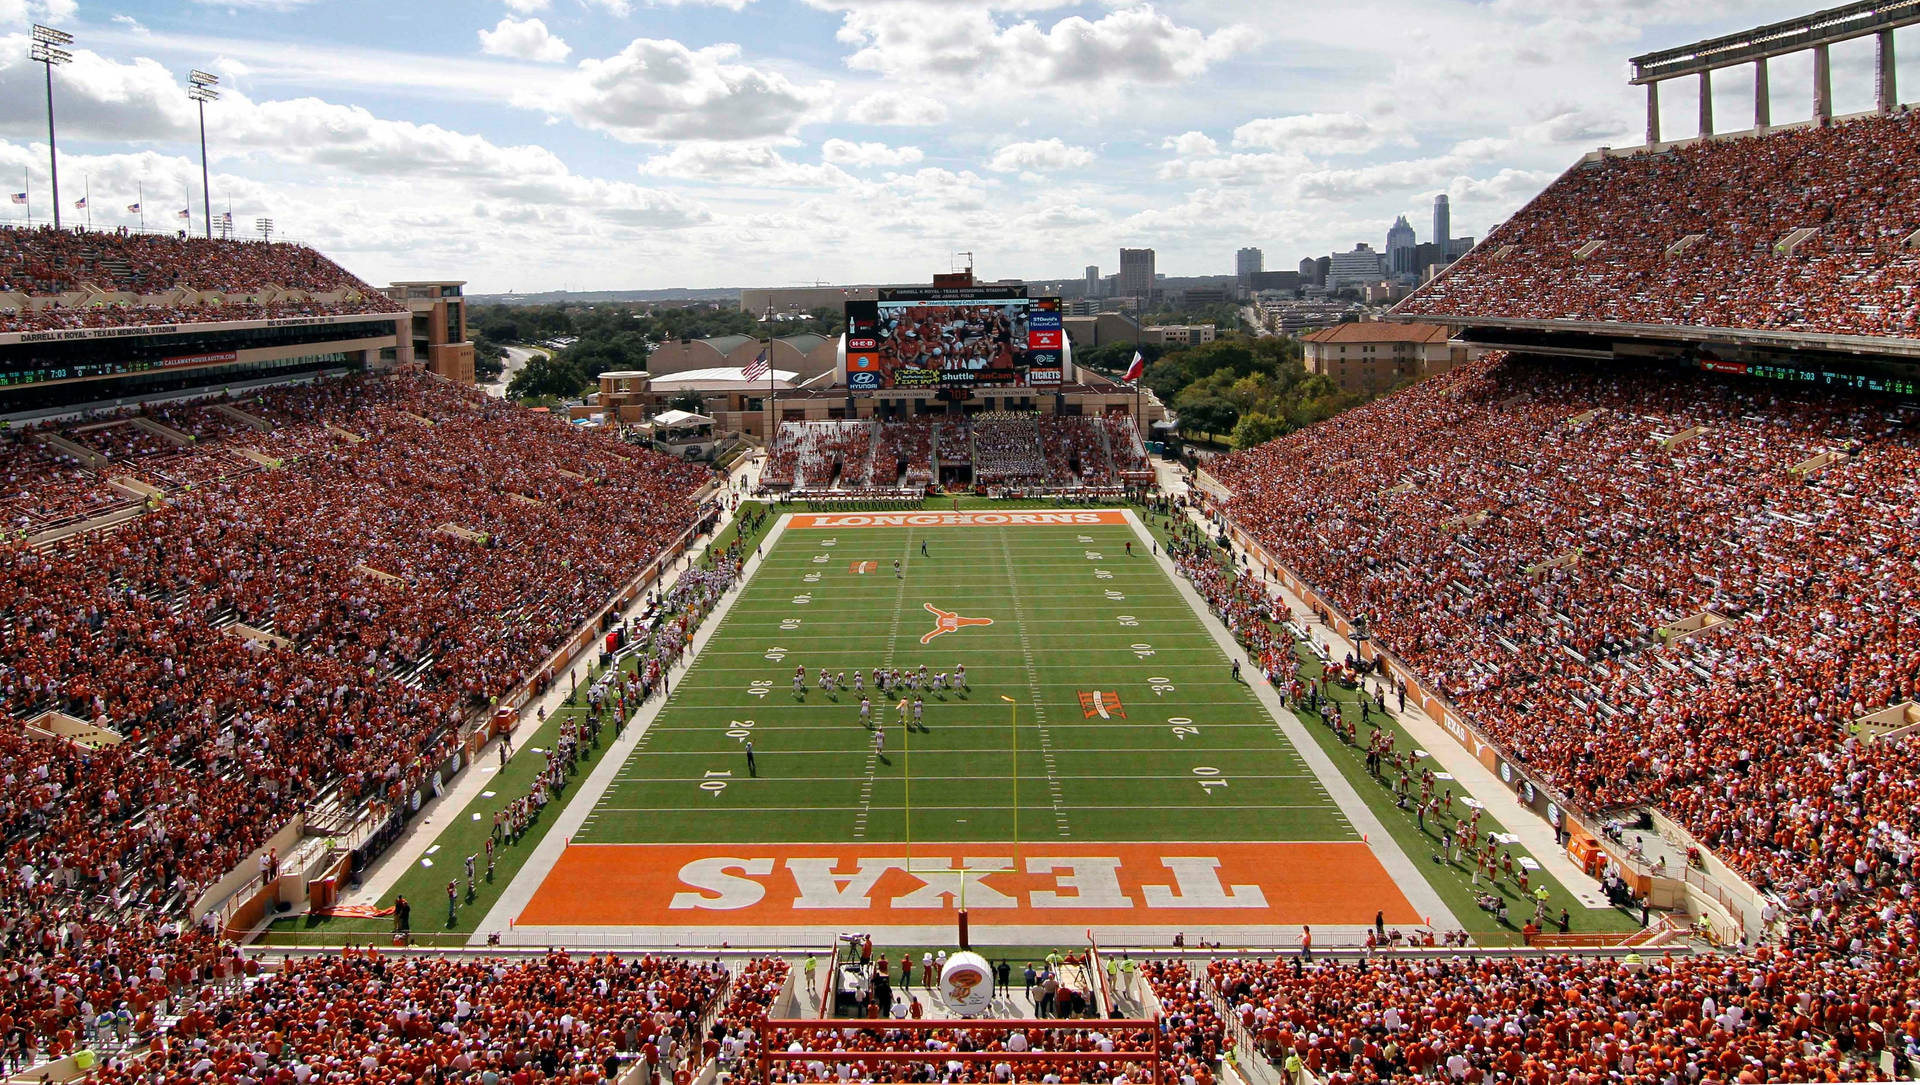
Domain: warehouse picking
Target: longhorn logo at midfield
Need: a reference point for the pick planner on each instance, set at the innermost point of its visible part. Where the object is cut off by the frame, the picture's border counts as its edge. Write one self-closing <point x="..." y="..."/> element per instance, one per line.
<point x="945" y="621"/>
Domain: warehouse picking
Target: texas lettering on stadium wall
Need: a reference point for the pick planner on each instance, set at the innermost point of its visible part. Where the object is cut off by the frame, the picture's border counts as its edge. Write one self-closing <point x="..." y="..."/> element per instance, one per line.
<point x="690" y="885"/>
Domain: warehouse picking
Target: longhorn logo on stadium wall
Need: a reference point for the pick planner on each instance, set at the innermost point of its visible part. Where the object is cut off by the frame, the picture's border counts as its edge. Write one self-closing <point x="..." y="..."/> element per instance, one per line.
<point x="1105" y="705"/>
<point x="863" y="567"/>
<point x="946" y="621"/>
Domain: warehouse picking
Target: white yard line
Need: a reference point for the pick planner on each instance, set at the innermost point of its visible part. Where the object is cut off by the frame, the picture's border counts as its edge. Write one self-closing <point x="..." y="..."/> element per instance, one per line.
<point x="1405" y="873"/>
<point x="594" y="788"/>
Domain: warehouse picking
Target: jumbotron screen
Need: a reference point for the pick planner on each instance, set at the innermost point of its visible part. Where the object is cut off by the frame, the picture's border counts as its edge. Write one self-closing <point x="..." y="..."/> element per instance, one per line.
<point x="953" y="337"/>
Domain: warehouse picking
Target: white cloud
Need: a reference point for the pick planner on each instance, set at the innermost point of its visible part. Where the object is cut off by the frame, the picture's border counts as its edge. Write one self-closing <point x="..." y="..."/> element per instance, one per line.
<point x="865" y="155"/>
<point x="1039" y="156"/>
<point x="132" y="24"/>
<point x="1320" y="133"/>
<point x="752" y="165"/>
<point x="525" y="39"/>
<point x="966" y="44"/>
<point x="527" y="7"/>
<point x="656" y="90"/>
<point x="1192" y="144"/>
<point x="898" y="109"/>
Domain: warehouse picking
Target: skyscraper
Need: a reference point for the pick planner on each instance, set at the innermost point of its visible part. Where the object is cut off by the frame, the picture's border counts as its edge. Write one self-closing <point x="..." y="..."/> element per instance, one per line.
<point x="1093" y="280"/>
<point x="1136" y="273"/>
<point x="1442" y="221"/>
<point x="1400" y="248"/>
<point x="1310" y="272"/>
<point x="1246" y="263"/>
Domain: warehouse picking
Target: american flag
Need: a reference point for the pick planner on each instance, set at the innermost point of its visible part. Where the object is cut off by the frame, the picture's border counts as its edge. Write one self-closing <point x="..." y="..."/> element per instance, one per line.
<point x="80" y="204"/>
<point x="185" y="214"/>
<point x="757" y="368"/>
<point x="19" y="197"/>
<point x="133" y="209"/>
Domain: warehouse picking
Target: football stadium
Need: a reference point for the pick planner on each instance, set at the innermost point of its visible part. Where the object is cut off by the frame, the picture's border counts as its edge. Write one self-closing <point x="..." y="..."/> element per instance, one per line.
<point x="1548" y="720"/>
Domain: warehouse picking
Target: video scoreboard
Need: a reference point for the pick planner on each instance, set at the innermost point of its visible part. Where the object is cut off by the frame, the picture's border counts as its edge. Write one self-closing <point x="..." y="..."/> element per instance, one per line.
<point x="954" y="337"/>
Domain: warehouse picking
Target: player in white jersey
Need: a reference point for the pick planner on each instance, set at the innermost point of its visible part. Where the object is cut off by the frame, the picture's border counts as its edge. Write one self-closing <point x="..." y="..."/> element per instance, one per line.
<point x="866" y="712"/>
<point x="960" y="674"/>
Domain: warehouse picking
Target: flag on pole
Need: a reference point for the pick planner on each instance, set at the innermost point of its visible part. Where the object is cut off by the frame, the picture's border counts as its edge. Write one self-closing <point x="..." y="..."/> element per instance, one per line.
<point x="133" y="209"/>
<point x="1135" y="370"/>
<point x="184" y="214"/>
<point x="80" y="204"/>
<point x="757" y="368"/>
<point x="227" y="218"/>
<point x="19" y="197"/>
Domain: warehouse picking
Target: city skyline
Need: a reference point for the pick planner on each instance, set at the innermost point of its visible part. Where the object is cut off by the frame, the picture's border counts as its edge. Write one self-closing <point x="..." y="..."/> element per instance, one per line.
<point x="620" y="144"/>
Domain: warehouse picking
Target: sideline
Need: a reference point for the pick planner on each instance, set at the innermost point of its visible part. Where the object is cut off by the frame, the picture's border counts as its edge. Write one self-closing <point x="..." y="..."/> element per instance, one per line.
<point x="1536" y="836"/>
<point x="460" y="793"/>
<point x="514" y="899"/>
<point x="1402" y="869"/>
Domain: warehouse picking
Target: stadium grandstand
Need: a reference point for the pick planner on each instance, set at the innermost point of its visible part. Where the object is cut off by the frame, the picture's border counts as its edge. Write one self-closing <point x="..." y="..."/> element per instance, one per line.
<point x="280" y="591"/>
<point x="1652" y="556"/>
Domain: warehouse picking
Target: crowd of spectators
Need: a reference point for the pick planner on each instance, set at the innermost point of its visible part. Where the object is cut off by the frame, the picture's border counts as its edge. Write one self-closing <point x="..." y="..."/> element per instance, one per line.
<point x="1002" y="448"/>
<point x="1533" y="539"/>
<point x="383" y="628"/>
<point x="246" y="276"/>
<point x="1695" y="235"/>
<point x="1128" y="1054"/>
<point x="1768" y="1017"/>
<point x="373" y="1017"/>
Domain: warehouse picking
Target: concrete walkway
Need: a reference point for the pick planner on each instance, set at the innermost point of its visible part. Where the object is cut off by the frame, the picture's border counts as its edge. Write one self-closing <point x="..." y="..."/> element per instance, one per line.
<point x="1534" y="834"/>
<point x="437" y="814"/>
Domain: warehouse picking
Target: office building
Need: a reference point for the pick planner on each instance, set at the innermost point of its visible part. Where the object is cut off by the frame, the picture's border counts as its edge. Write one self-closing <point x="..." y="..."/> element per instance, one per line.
<point x="1401" y="244"/>
<point x="1178" y="335"/>
<point x="1289" y="281"/>
<point x="1136" y="273"/>
<point x="1247" y="263"/>
<point x="1374" y="357"/>
<point x="1442" y="220"/>
<point x="1093" y="280"/>
<point x="1355" y="268"/>
<point x="1310" y="272"/>
<point x="439" y="332"/>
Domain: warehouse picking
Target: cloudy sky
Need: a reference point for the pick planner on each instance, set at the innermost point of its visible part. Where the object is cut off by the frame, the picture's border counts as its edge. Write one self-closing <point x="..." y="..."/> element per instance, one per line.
<point x="605" y="144"/>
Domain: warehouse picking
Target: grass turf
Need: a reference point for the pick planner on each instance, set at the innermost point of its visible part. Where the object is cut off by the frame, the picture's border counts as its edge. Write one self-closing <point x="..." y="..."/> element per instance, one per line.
<point x="1072" y="612"/>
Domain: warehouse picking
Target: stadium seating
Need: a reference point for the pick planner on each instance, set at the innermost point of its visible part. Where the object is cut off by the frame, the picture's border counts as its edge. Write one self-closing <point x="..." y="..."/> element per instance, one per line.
<point x="171" y="279"/>
<point x="1538" y="540"/>
<point x="1804" y="230"/>
<point x="1768" y="1018"/>
<point x="1002" y="448"/>
<point x="376" y="1017"/>
<point x="423" y="549"/>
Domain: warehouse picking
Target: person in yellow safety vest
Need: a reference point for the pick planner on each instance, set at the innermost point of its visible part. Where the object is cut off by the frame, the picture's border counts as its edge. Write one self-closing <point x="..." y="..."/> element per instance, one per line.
<point x="1294" y="1066"/>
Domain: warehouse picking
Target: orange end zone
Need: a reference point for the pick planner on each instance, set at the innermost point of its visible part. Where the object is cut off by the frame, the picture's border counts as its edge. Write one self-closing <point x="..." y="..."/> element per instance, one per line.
<point x="837" y="520"/>
<point x="787" y="885"/>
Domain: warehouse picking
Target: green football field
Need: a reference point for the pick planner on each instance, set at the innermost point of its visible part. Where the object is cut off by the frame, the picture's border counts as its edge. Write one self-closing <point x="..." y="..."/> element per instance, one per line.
<point x="1184" y="751"/>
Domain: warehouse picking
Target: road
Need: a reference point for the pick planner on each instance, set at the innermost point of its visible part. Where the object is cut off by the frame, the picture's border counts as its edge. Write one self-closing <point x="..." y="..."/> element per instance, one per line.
<point x="516" y="357"/>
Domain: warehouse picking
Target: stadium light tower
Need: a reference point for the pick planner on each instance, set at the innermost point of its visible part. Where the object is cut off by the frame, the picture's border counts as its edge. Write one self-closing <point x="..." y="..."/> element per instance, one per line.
<point x="201" y="88"/>
<point x="265" y="226"/>
<point x="49" y="49"/>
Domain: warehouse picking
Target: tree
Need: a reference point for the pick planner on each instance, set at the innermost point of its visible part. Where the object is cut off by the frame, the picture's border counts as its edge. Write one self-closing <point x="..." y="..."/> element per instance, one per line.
<point x="546" y="376"/>
<point x="1203" y="411"/>
<point x="1258" y="429"/>
<point x="489" y="359"/>
<point x="687" y="401"/>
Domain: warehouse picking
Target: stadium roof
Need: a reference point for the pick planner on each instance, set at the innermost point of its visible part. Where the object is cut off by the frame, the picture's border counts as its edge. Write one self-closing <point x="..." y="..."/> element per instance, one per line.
<point x="1828" y="27"/>
<point x="720" y="375"/>
<point x="1377" y="332"/>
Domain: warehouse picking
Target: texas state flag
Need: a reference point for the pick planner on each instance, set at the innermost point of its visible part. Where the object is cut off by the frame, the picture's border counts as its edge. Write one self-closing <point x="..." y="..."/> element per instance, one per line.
<point x="1138" y="368"/>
